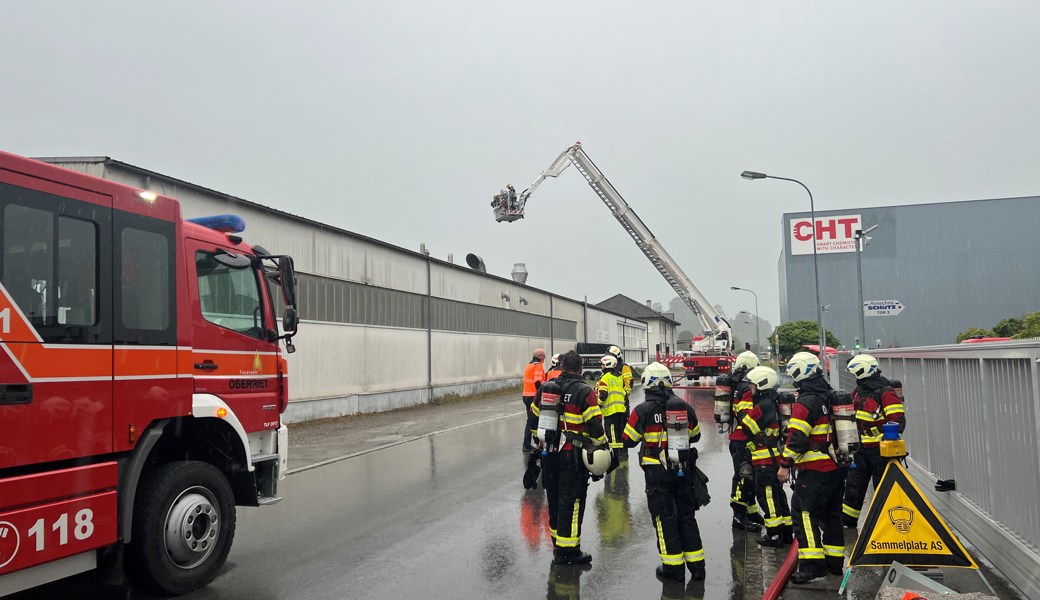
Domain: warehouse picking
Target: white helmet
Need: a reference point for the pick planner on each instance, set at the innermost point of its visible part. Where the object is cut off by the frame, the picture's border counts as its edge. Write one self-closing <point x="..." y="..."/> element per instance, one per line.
<point x="656" y="375"/>
<point x="863" y="366"/>
<point x="802" y="366"/>
<point x="763" y="377"/>
<point x="609" y="362"/>
<point x="555" y="360"/>
<point x="597" y="461"/>
<point x="746" y="359"/>
<point x="615" y="351"/>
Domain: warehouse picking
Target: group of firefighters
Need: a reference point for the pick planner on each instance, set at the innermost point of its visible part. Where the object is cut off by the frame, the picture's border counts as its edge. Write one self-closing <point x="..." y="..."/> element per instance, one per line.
<point x="825" y="443"/>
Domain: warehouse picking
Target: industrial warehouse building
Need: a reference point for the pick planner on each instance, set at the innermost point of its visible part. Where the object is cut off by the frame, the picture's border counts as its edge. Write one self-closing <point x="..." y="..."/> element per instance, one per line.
<point x="384" y="327"/>
<point x="661" y="327"/>
<point x="930" y="271"/>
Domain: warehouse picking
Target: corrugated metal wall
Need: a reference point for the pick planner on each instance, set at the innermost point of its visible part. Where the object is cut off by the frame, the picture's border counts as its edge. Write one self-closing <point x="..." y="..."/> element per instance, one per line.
<point x="375" y="334"/>
<point x="953" y="265"/>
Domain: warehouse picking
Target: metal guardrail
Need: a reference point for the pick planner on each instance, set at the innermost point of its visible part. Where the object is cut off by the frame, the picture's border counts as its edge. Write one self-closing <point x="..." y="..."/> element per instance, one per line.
<point x="972" y="415"/>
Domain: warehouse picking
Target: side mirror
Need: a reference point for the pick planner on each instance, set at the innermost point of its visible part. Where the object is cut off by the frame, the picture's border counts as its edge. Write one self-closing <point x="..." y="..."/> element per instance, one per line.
<point x="287" y="274"/>
<point x="290" y="321"/>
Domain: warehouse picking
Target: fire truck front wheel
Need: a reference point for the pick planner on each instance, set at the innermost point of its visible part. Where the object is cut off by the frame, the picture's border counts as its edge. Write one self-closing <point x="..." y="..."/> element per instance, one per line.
<point x="184" y="523"/>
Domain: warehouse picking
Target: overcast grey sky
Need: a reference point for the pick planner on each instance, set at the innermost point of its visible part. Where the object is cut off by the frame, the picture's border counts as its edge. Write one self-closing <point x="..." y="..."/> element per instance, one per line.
<point x="399" y="120"/>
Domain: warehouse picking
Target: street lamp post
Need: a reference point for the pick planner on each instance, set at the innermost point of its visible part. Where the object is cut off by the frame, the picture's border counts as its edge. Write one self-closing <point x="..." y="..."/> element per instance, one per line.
<point x="861" y="240"/>
<point x="816" y="264"/>
<point x="758" y="337"/>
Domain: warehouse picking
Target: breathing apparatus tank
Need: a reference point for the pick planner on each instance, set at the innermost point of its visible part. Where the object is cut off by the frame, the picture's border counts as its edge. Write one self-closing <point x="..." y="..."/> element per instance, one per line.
<point x="785" y="402"/>
<point x="677" y="440"/>
<point x="723" y="400"/>
<point x="548" y="421"/>
<point x="843" y="414"/>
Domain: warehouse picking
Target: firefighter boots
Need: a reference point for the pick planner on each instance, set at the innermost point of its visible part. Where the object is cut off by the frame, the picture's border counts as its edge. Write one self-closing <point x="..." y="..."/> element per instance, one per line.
<point x="744" y="523"/>
<point x="808" y="571"/>
<point x="571" y="556"/>
<point x="672" y="572"/>
<point x="696" y="570"/>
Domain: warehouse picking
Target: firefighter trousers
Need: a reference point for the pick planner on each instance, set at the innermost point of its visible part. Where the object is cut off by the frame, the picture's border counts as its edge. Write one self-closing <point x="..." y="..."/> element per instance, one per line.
<point x="531" y="422"/>
<point x="816" y="512"/>
<point x="615" y="427"/>
<point x="673" y="511"/>
<point x="566" y="483"/>
<point x="869" y="467"/>
<point x="742" y="490"/>
<point x="772" y="498"/>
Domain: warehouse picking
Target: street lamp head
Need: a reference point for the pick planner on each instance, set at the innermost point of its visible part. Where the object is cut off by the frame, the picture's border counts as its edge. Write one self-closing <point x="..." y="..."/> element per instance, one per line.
<point x="733" y="287"/>
<point x="753" y="175"/>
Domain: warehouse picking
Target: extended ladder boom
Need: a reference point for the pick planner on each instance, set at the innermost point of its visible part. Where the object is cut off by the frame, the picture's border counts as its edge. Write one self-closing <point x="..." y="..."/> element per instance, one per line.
<point x="714" y="324"/>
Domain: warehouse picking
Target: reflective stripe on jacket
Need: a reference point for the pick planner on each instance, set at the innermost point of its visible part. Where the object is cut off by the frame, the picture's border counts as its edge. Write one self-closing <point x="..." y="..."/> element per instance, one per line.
<point x="646" y="425"/>
<point x="626" y="378"/>
<point x="761" y="425"/>
<point x="742" y="405"/>
<point x="581" y="413"/>
<point x="810" y="432"/>
<point x="611" y="390"/>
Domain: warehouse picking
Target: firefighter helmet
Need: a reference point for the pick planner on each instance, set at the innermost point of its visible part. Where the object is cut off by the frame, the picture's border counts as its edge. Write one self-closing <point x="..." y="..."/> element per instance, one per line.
<point x="597" y="460"/>
<point x="609" y="362"/>
<point x="746" y="359"/>
<point x="656" y="375"/>
<point x="863" y="366"/>
<point x="763" y="377"/>
<point x="802" y="366"/>
<point x="615" y="351"/>
<point x="555" y="360"/>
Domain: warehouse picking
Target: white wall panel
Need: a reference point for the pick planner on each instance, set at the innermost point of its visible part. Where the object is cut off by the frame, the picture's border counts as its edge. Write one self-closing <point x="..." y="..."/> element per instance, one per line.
<point x="339" y="360"/>
<point x="461" y="357"/>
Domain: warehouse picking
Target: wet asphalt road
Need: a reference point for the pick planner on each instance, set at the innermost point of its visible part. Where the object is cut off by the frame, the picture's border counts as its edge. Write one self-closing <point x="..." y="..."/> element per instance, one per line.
<point x="446" y="516"/>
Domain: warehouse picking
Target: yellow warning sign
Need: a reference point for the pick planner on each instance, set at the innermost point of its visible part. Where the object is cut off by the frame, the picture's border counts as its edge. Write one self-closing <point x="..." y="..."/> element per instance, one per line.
<point x="901" y="525"/>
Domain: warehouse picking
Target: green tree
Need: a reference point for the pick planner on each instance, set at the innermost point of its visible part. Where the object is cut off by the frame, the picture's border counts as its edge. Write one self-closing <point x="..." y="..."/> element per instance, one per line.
<point x="797" y="334"/>
<point x="1009" y="327"/>
<point x="1030" y="326"/>
<point x="973" y="332"/>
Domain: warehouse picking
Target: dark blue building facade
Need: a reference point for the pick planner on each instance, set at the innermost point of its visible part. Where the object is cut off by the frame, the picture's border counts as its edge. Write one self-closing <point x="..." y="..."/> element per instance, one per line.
<point x="933" y="269"/>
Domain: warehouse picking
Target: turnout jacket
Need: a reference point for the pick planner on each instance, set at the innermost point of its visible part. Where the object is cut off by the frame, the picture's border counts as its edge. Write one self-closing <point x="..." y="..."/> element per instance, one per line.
<point x="626" y="375"/>
<point x="810" y="432"/>
<point x="611" y="390"/>
<point x="876" y="404"/>
<point x="761" y="425"/>
<point x="742" y="403"/>
<point x="580" y="415"/>
<point x="646" y="424"/>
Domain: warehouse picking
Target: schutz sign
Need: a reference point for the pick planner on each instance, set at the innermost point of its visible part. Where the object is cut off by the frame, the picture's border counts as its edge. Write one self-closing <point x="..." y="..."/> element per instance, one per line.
<point x="833" y="234"/>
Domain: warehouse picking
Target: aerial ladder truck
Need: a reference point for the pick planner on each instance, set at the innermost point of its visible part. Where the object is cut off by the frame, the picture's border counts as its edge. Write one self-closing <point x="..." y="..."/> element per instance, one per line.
<point x="712" y="354"/>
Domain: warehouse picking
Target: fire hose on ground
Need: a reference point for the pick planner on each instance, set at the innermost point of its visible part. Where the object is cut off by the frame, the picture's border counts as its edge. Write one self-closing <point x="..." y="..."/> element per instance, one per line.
<point x="782" y="575"/>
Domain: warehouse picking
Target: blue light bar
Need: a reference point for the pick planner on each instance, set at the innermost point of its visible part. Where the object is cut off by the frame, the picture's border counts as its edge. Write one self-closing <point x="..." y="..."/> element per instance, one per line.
<point x="221" y="223"/>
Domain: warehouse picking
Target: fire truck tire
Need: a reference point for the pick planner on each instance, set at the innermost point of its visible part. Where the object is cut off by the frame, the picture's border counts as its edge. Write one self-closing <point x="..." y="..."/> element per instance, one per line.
<point x="184" y="523"/>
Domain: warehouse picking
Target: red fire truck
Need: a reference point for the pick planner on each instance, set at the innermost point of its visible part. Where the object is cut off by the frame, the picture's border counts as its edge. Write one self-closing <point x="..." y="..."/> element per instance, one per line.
<point x="141" y="381"/>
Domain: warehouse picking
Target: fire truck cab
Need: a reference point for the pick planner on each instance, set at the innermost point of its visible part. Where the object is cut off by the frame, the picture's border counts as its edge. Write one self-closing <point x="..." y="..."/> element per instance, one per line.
<point x="141" y="381"/>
